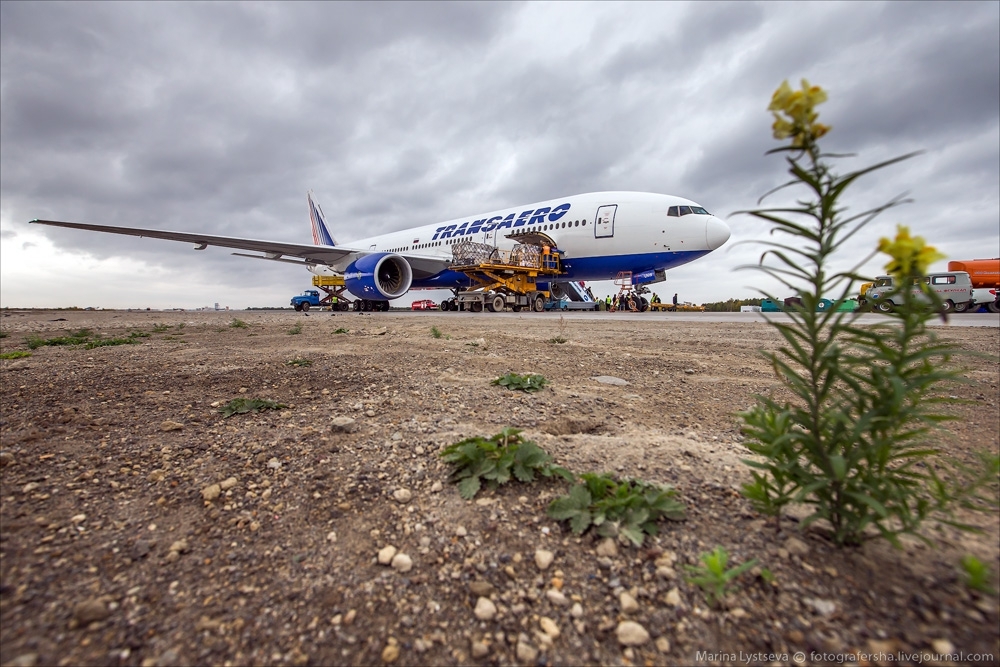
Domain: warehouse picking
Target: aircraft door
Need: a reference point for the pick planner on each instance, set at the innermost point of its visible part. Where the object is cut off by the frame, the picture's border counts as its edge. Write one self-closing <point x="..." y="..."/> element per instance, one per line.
<point x="604" y="221"/>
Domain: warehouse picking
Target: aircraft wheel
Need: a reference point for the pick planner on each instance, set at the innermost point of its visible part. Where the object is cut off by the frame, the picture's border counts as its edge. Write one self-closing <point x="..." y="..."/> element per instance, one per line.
<point x="345" y="305"/>
<point x="445" y="306"/>
<point x="539" y="303"/>
<point x="885" y="306"/>
<point x="498" y="304"/>
<point x="643" y="304"/>
<point x="385" y="306"/>
<point x="356" y="305"/>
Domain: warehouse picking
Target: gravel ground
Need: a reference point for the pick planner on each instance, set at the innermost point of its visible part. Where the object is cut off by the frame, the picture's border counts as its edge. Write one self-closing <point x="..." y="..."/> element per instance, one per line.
<point x="139" y="527"/>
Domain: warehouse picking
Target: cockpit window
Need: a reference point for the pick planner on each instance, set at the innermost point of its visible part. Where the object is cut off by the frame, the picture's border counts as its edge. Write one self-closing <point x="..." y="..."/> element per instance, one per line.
<point x="676" y="211"/>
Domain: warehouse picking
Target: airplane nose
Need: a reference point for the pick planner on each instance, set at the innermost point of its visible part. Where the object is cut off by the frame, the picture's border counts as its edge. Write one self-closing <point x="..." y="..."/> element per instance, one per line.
<point x="716" y="233"/>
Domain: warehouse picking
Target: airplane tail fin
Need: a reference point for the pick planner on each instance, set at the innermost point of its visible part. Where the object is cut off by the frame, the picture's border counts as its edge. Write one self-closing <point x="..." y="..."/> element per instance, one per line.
<point x="321" y="235"/>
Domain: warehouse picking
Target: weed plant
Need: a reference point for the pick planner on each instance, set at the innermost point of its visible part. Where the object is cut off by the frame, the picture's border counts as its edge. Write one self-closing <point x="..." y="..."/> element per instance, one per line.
<point x="299" y="362"/>
<point x="294" y="331"/>
<point x="714" y="577"/>
<point x="851" y="443"/>
<point x="977" y="574"/>
<point x="495" y="460"/>
<point x="161" y="328"/>
<point x="238" y="324"/>
<point x="15" y="354"/>
<point x="528" y="383"/>
<point x="239" y="406"/>
<point x="341" y="330"/>
<point x="628" y="507"/>
<point x="435" y="332"/>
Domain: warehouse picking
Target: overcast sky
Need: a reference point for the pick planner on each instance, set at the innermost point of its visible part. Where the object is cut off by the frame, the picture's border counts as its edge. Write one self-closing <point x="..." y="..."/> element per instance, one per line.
<point x="217" y="118"/>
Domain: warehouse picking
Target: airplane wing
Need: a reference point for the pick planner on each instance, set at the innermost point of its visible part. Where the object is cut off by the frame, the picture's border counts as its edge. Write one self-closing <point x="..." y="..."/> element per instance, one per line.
<point x="337" y="257"/>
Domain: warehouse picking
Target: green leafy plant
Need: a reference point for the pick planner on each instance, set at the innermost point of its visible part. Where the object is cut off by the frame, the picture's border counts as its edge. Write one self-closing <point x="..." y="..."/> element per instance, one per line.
<point x="15" y="354"/>
<point x="341" y="330"/>
<point x="977" y="574"/>
<point x="3" y="334"/>
<point x="628" y="507"/>
<point x="110" y="342"/>
<point x="529" y="382"/>
<point x="713" y="577"/>
<point x="239" y="406"/>
<point x="297" y="329"/>
<point x="850" y="444"/>
<point x="78" y="337"/>
<point x="299" y="362"/>
<point x="558" y="340"/>
<point x="238" y="324"/>
<point x="161" y="328"/>
<point x="495" y="460"/>
<point x="435" y="332"/>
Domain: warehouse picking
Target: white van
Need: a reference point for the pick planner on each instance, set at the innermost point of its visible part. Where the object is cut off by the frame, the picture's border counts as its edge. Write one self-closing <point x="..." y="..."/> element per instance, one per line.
<point x="954" y="288"/>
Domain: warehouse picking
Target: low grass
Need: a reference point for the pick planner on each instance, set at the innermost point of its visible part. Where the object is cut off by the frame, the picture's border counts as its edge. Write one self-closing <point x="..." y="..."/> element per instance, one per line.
<point x="238" y="324"/>
<point x="299" y="362"/>
<point x="296" y="330"/>
<point x="239" y="406"/>
<point x="16" y="354"/>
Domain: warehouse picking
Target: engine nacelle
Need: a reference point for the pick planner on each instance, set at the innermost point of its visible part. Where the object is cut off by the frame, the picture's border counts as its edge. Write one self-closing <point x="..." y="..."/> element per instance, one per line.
<point x="378" y="276"/>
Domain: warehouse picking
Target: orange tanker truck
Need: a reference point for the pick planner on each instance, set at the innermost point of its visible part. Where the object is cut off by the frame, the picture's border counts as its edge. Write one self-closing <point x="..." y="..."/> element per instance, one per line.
<point x="985" y="277"/>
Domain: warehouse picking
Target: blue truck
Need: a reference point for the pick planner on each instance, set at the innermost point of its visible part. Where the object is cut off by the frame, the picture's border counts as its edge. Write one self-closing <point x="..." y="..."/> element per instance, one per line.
<point x="306" y="300"/>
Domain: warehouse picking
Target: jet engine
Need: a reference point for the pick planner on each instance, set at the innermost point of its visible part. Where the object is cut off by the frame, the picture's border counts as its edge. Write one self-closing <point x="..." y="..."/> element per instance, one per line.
<point x="378" y="276"/>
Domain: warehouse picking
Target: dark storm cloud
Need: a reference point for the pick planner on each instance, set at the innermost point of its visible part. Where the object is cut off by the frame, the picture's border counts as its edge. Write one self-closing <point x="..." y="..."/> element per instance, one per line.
<point x="217" y="117"/>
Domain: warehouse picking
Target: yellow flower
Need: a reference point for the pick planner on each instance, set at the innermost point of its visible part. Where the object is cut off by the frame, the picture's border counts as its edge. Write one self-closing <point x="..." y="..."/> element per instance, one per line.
<point x="798" y="107"/>
<point x="911" y="256"/>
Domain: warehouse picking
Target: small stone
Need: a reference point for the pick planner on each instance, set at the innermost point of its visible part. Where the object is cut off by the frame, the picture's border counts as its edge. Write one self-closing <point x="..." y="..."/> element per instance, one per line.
<point x="228" y="483"/>
<point x="607" y="548"/>
<point x="576" y="611"/>
<point x="155" y="476"/>
<point x="673" y="597"/>
<point x="6" y="458"/>
<point x="663" y="645"/>
<point x="211" y="492"/>
<point x="171" y="426"/>
<point x="342" y="425"/>
<point x="738" y="612"/>
<point x="391" y="651"/>
<point x="24" y="660"/>
<point x="608" y="379"/>
<point x="549" y="627"/>
<point x="78" y="518"/>
<point x="796" y="547"/>
<point x="180" y="546"/>
<point x="331" y="536"/>
<point x="460" y="531"/>
<point x="89" y="611"/>
<point x="29" y="487"/>
<point x="482" y="588"/>
<point x="557" y="597"/>
<point x="629" y="605"/>
<point x="942" y="646"/>
<point x="526" y="652"/>
<point x="350" y="616"/>
<point x="821" y="607"/>
<point x="273" y="463"/>
<point x="688" y="371"/>
<point x="436" y="487"/>
<point x="402" y="496"/>
<point x="402" y="563"/>
<point x="485" y="609"/>
<point x="386" y="554"/>
<point x="631" y="633"/>
<point x="480" y="649"/>
<point x="543" y="558"/>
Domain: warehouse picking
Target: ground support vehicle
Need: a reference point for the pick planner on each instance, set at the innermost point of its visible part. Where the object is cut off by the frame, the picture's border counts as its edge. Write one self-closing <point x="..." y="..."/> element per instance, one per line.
<point x="566" y="303"/>
<point x="334" y="289"/>
<point x="985" y="277"/>
<point x="423" y="304"/>
<point x="953" y="288"/>
<point x="306" y="300"/>
<point x="679" y="308"/>
<point x="501" y="279"/>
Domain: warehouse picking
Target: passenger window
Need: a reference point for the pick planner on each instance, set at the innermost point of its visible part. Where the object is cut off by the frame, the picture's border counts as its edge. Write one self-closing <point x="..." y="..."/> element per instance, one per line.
<point x="685" y="210"/>
<point x="672" y="211"/>
<point x="943" y="280"/>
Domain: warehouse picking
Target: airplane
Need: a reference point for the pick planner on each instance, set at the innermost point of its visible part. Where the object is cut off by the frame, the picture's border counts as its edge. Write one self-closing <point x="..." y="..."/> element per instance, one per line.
<point x="597" y="235"/>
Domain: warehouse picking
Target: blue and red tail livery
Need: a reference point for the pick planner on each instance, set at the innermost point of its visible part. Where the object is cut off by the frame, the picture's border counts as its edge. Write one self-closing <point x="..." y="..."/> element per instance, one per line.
<point x="321" y="235"/>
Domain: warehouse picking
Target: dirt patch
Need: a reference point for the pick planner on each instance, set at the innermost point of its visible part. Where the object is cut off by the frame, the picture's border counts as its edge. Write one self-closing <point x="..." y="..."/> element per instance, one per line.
<point x="115" y="549"/>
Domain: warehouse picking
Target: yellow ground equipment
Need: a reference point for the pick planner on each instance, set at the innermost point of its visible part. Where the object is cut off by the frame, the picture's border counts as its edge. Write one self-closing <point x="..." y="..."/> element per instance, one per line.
<point x="502" y="278"/>
<point x="334" y="288"/>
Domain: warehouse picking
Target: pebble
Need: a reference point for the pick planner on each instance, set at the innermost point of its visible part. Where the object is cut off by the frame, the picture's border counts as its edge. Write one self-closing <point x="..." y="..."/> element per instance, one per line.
<point x="485" y="609"/>
<point x="821" y="607"/>
<point x="607" y="548"/>
<point x="29" y="487"/>
<point x="342" y="425"/>
<point x="171" y="426"/>
<point x="549" y="627"/>
<point x="543" y="558"/>
<point x="24" y="660"/>
<point x="796" y="547"/>
<point x="460" y="531"/>
<point x="608" y="379"/>
<point x="557" y="597"/>
<point x="631" y="633"/>
<point x="738" y="612"/>
<point x="402" y="563"/>
<point x="629" y="605"/>
<point x="526" y="652"/>
<point x="180" y="546"/>
<point x="89" y="611"/>
<point x="211" y="492"/>
<point x="482" y="588"/>
<point x="673" y="597"/>
<point x="436" y="487"/>
<point x="386" y="554"/>
<point x="273" y="463"/>
<point x="576" y="611"/>
<point x="391" y="651"/>
<point x="402" y="496"/>
<point x="227" y="483"/>
<point x="663" y="645"/>
<point x="942" y="646"/>
<point x="480" y="649"/>
<point x="6" y="458"/>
